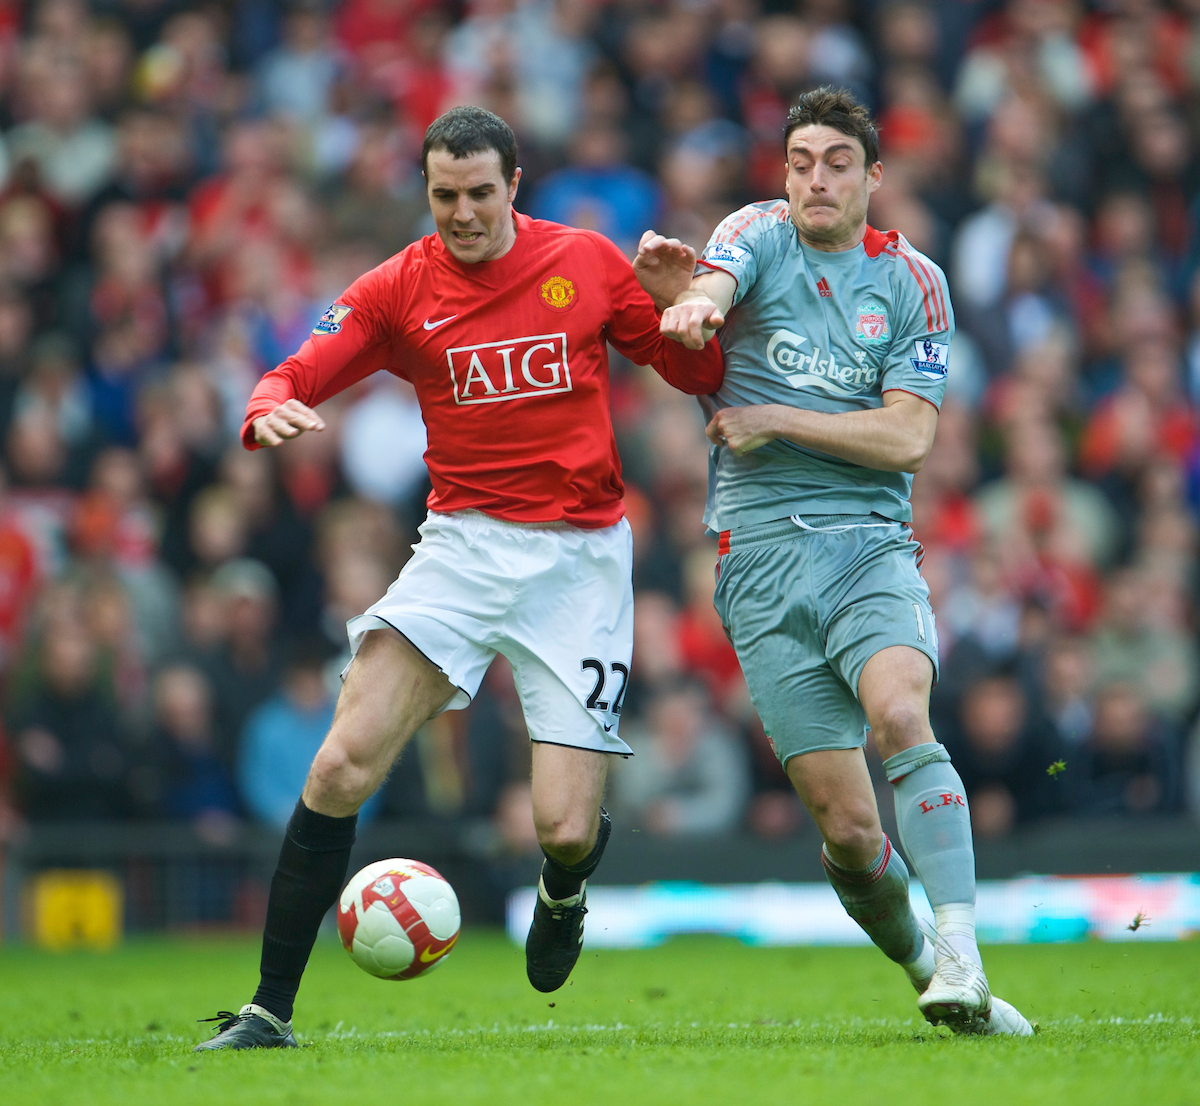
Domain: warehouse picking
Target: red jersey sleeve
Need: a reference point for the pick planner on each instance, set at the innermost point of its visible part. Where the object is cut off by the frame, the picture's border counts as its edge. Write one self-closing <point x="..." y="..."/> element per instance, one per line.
<point x="633" y="329"/>
<point x="351" y="341"/>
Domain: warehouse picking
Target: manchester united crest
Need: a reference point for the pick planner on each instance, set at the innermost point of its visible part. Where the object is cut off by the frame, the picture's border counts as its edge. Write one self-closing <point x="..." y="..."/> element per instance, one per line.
<point x="558" y="292"/>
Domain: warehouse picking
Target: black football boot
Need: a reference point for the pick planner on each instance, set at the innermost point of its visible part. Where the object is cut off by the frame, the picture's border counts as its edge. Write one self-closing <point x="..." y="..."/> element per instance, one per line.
<point x="555" y="939"/>
<point x="251" y="1027"/>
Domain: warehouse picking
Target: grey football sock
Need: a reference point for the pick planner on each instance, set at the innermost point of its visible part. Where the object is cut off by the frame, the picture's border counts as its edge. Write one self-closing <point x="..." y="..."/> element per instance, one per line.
<point x="876" y="897"/>
<point x="935" y="830"/>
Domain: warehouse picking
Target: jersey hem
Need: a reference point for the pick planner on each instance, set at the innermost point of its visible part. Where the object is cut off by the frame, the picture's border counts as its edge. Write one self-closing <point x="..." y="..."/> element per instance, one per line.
<point x="590" y="523"/>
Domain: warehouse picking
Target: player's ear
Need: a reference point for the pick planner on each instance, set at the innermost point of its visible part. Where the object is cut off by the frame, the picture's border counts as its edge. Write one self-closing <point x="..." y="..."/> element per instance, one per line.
<point x="875" y="176"/>
<point x="512" y="185"/>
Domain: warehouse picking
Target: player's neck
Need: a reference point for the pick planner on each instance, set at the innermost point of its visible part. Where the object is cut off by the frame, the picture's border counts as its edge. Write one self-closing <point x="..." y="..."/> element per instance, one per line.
<point x="509" y="240"/>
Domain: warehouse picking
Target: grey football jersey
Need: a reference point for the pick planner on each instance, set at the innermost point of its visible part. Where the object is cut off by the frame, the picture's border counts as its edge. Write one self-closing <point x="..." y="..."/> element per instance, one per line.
<point x="827" y="332"/>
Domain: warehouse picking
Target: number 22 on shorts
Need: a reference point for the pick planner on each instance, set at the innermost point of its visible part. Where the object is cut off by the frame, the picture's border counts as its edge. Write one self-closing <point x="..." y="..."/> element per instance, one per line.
<point x="594" y="702"/>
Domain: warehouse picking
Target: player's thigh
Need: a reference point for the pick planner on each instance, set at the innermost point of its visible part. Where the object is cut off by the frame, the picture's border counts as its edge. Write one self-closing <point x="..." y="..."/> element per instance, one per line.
<point x="874" y="600"/>
<point x="389" y="691"/>
<point x="568" y="786"/>
<point x="765" y="602"/>
<point x="894" y="691"/>
<point x="450" y="600"/>
<point x="569" y="637"/>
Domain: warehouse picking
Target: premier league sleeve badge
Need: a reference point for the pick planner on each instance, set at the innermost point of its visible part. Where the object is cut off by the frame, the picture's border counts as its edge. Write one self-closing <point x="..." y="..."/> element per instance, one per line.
<point x="930" y="359"/>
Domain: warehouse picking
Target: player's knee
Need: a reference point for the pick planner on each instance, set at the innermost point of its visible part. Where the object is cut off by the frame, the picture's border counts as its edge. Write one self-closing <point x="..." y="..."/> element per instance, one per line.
<point x="852" y="836"/>
<point x="568" y="839"/>
<point x="900" y="723"/>
<point x="336" y="779"/>
<point x="849" y="827"/>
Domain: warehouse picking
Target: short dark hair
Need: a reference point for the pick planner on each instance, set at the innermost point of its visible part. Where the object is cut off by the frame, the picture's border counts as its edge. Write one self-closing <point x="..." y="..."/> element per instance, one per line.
<point x="835" y="107"/>
<point x="470" y="130"/>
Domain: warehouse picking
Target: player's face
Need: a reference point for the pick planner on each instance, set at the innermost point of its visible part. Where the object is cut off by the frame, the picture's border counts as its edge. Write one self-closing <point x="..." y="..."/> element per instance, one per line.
<point x="471" y="204"/>
<point x="829" y="184"/>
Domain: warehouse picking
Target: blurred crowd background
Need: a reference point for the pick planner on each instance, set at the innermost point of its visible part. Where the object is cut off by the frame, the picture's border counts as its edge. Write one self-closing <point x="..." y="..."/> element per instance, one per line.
<point x="185" y="187"/>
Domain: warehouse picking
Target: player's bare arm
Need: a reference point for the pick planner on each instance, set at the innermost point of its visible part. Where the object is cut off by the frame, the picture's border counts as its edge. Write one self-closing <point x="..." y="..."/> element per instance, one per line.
<point x="288" y="420"/>
<point x="896" y="437"/>
<point x="664" y="268"/>
<point x="700" y="310"/>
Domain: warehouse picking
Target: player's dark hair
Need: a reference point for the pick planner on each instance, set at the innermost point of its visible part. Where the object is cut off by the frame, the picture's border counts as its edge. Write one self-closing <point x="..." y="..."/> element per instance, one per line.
<point x="835" y="107"/>
<point x="470" y="130"/>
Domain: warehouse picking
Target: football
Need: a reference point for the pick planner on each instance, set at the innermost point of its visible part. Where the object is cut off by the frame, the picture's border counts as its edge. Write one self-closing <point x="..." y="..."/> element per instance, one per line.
<point x="398" y="919"/>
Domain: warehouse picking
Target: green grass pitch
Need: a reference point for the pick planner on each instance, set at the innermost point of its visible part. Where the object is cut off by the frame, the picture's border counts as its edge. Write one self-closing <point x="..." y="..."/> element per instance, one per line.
<point x="698" y="1021"/>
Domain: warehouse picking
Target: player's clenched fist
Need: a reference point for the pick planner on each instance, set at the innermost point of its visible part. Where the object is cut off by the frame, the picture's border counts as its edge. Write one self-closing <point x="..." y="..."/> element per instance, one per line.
<point x="692" y="322"/>
<point x="288" y="420"/>
<point x="743" y="429"/>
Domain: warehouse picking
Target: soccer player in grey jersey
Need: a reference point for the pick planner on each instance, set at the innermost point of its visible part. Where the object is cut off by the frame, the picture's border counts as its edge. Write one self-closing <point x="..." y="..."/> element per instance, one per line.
<point x="835" y="339"/>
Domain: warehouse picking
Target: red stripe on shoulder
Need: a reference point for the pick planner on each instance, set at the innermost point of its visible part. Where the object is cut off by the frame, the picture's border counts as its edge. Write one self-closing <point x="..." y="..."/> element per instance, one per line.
<point x="920" y="279"/>
<point x="734" y="228"/>
<point x="933" y="292"/>
<point x="779" y="210"/>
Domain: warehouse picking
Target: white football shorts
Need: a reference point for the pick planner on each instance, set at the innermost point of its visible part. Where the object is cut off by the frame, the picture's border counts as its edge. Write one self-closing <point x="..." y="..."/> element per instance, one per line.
<point x="557" y="601"/>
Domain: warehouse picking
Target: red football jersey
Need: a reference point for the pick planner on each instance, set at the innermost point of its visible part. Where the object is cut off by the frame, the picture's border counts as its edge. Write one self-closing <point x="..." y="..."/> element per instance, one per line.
<point x="510" y="365"/>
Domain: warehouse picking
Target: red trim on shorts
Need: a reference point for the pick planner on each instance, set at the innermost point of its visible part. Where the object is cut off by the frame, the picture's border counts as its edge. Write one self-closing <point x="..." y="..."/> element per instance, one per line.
<point x="722" y="543"/>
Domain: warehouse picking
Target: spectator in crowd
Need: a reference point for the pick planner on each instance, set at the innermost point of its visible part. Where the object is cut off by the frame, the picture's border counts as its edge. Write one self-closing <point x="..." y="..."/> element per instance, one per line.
<point x="245" y="666"/>
<point x="71" y="759"/>
<point x="282" y="736"/>
<point x="194" y="784"/>
<point x="1131" y="762"/>
<point x="689" y="774"/>
<point x="1161" y="663"/>
<point x="1002" y="751"/>
<point x="599" y="190"/>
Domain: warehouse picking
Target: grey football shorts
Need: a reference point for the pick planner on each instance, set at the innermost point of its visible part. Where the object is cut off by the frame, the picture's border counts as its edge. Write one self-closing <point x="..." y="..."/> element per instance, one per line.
<point x="807" y="608"/>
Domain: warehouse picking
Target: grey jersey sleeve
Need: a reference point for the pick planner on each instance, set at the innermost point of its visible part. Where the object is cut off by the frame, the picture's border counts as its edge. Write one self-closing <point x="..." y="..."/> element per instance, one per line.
<point x="737" y="245"/>
<point x="917" y="358"/>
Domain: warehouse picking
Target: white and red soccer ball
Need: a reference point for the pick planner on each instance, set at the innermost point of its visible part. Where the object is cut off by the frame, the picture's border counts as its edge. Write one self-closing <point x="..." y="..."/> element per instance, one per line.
<point x="398" y="918"/>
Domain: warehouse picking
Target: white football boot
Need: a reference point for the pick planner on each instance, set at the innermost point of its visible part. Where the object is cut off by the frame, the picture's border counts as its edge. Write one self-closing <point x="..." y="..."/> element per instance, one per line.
<point x="958" y="996"/>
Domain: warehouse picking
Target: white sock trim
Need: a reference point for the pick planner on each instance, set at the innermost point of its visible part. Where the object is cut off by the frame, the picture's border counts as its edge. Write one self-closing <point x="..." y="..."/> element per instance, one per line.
<point x="922" y="968"/>
<point x="955" y="923"/>
<point x="267" y="1016"/>
<point x="574" y="900"/>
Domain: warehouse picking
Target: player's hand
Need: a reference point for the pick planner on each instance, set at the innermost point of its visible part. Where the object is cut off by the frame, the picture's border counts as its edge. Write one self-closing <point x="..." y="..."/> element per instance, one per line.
<point x="664" y="267"/>
<point x="288" y="420"/>
<point x="742" y="429"/>
<point x="692" y="322"/>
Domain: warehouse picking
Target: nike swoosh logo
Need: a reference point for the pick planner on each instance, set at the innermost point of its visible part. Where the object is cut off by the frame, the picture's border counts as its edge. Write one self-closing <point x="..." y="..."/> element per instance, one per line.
<point x="429" y="324"/>
<point x="608" y="729"/>
<point x="427" y="959"/>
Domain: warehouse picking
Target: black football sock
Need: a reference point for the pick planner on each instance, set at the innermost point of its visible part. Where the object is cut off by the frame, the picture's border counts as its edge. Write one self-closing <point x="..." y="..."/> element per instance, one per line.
<point x="562" y="881"/>
<point x="308" y="879"/>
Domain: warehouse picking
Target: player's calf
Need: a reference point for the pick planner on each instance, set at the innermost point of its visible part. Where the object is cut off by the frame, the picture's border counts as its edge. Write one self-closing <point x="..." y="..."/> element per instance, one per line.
<point x="556" y="935"/>
<point x="876" y="897"/>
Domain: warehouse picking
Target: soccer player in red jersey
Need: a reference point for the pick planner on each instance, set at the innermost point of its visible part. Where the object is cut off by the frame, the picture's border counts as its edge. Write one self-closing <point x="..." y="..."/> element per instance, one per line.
<point x="500" y="322"/>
